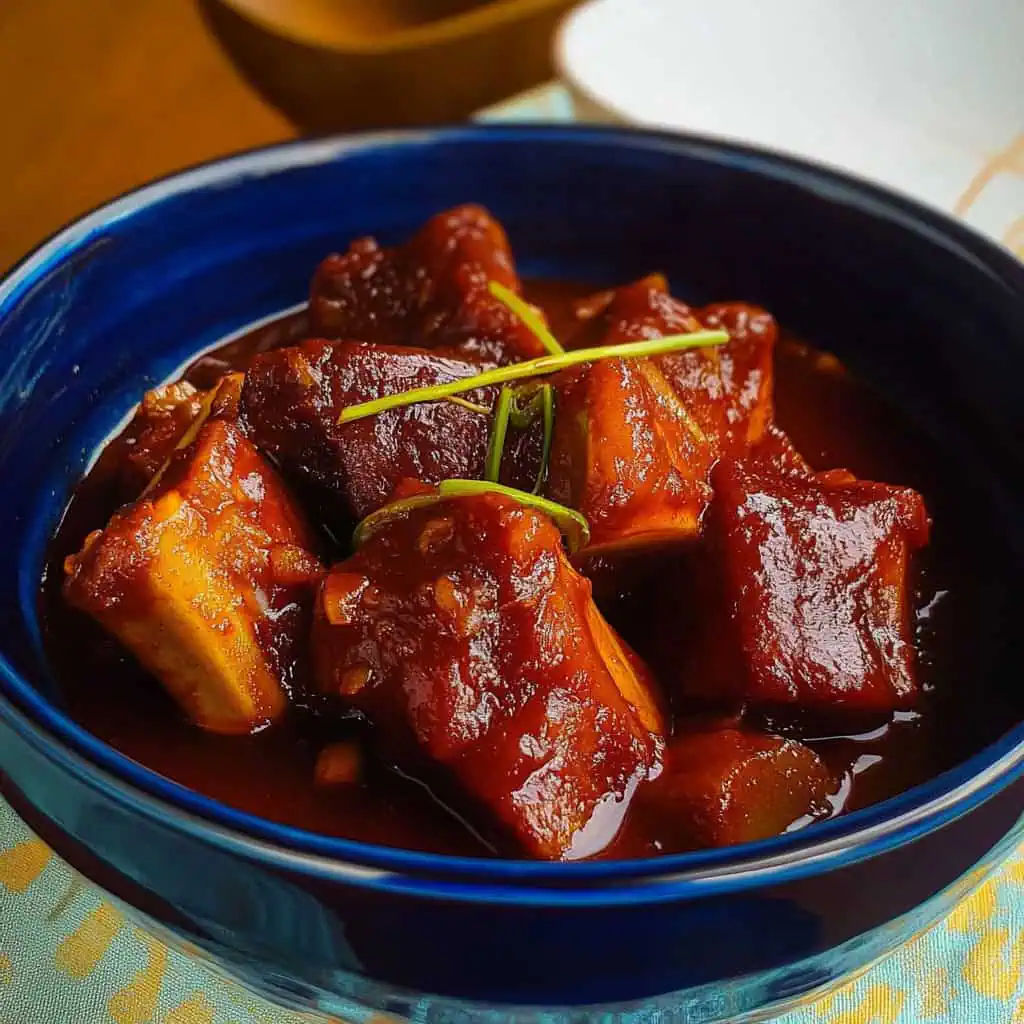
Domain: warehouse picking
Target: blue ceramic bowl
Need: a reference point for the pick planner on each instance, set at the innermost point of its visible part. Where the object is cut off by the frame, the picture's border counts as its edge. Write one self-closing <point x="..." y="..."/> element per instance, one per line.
<point x="926" y="309"/>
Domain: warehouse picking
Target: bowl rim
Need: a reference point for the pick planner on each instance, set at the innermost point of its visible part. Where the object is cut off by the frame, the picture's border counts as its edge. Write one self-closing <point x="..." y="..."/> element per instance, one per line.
<point x="858" y="835"/>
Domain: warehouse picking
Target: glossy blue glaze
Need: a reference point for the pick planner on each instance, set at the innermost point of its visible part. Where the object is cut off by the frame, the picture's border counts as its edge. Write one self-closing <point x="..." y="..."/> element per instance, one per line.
<point x="121" y="299"/>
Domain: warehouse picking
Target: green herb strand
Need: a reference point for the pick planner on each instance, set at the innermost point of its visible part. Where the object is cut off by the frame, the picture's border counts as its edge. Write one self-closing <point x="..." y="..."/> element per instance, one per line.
<point x="499" y="429"/>
<point x="511" y="409"/>
<point x="547" y="398"/>
<point x="539" y="367"/>
<point x="466" y="404"/>
<point x="527" y="403"/>
<point x="527" y="314"/>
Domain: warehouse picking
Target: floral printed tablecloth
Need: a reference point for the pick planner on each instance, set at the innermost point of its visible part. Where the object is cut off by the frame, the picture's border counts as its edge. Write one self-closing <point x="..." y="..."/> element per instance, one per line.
<point x="68" y="956"/>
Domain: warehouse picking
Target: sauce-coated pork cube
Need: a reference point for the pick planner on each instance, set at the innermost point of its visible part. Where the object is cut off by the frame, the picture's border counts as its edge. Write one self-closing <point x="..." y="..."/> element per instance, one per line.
<point x="815" y="601"/>
<point x="731" y="785"/>
<point x="627" y="455"/>
<point x="726" y="389"/>
<point x="431" y="292"/>
<point x="463" y="632"/>
<point x="293" y="397"/>
<point x="208" y="581"/>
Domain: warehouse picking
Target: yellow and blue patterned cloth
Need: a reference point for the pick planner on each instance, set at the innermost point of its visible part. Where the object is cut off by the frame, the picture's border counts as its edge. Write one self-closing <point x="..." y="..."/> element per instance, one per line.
<point x="67" y="956"/>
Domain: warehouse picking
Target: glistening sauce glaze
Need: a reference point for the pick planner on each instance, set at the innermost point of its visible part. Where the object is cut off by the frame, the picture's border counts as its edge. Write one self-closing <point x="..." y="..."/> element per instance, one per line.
<point x="833" y="421"/>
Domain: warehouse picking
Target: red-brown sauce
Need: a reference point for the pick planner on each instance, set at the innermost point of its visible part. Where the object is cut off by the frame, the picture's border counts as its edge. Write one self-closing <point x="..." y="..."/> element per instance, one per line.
<point x="833" y="420"/>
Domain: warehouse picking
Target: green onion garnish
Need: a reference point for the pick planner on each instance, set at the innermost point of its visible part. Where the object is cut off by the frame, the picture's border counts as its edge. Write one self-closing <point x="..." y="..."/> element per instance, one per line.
<point x="499" y="428"/>
<point x="547" y="401"/>
<point x="511" y="409"/>
<point x="539" y="367"/>
<point x="527" y="314"/>
<point x="572" y="525"/>
<point x="466" y="404"/>
<point x="527" y="402"/>
<point x="540" y="402"/>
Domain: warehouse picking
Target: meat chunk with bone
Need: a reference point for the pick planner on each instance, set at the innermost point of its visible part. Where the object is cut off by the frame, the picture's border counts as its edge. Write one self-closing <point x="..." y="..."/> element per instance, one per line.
<point x="462" y="631"/>
<point x="628" y="456"/>
<point x="208" y="580"/>
<point x="727" y="390"/>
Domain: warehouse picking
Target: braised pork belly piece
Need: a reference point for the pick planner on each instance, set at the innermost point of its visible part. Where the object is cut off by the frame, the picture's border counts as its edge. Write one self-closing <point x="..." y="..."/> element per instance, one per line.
<point x="813" y="592"/>
<point x="164" y="415"/>
<point x="627" y="455"/>
<point x="726" y="390"/>
<point x="635" y="441"/>
<point x="208" y="581"/>
<point x="722" y="786"/>
<point x="433" y="291"/>
<point x="463" y="632"/>
<point x="293" y="397"/>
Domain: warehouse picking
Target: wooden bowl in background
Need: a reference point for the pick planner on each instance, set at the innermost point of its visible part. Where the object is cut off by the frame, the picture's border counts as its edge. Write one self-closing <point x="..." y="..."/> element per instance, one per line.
<point x="332" y="65"/>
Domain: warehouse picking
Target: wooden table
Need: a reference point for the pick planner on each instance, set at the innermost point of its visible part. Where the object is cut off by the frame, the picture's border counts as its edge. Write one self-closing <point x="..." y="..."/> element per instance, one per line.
<point x="102" y="95"/>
